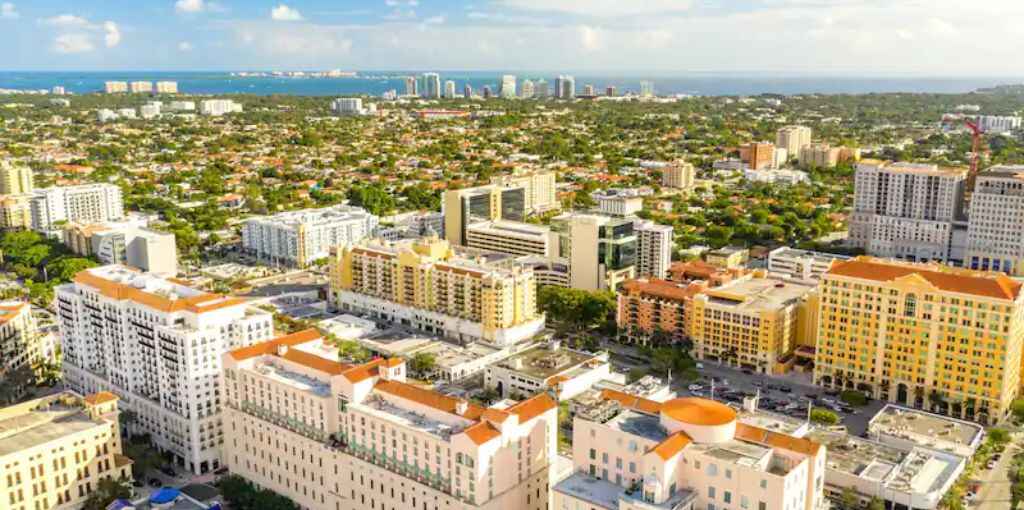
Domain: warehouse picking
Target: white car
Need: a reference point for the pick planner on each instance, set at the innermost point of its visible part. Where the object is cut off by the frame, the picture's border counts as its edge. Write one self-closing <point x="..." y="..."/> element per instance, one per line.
<point x="700" y="366"/>
<point x="695" y="387"/>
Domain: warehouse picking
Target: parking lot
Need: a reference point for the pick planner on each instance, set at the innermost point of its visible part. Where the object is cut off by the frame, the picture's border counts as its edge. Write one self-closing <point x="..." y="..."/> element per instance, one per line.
<point x="789" y="394"/>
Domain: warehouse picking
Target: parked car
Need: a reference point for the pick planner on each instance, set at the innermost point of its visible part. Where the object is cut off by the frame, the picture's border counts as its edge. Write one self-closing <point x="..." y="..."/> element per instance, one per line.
<point x="700" y="366"/>
<point x="695" y="387"/>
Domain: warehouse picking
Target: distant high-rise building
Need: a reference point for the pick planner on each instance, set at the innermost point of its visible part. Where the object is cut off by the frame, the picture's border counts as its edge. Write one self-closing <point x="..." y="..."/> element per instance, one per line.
<point x="508" y="86"/>
<point x="411" y="86"/>
<point x="540" y="89"/>
<point x="646" y="89"/>
<point x="86" y="203"/>
<point x="487" y="93"/>
<point x="601" y="249"/>
<point x="57" y="90"/>
<point x="141" y="87"/>
<point x="218" y="107"/>
<point x="793" y="139"/>
<point x="527" y="89"/>
<point x="588" y="90"/>
<point x="654" y="249"/>
<point x="431" y="85"/>
<point x="467" y="91"/>
<point x="565" y="87"/>
<point x="114" y="87"/>
<point x="678" y="175"/>
<point x="611" y="91"/>
<point x="166" y="87"/>
<point x="298" y="238"/>
<point x="758" y="155"/>
<point x="15" y="179"/>
<point x="999" y="124"/>
<point x="994" y="239"/>
<point x="449" y="89"/>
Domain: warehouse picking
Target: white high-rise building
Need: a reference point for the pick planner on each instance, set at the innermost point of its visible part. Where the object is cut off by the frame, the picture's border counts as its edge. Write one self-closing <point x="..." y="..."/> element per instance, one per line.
<point x="300" y="237"/>
<point x="646" y="89"/>
<point x="150" y="110"/>
<point x="361" y="436"/>
<point x="182" y="106"/>
<point x="218" y="107"/>
<point x="412" y="87"/>
<point x="142" y="248"/>
<point x="87" y="203"/>
<point x="508" y="86"/>
<point x="565" y="87"/>
<point x="995" y="230"/>
<point x="999" y="124"/>
<point x="114" y="87"/>
<point x="653" y="249"/>
<point x="141" y="87"/>
<point x="906" y="210"/>
<point x="157" y="345"/>
<point x="345" y="106"/>
<point x="166" y="87"/>
<point x="449" y="89"/>
<point x="431" y="86"/>
<point x="527" y="89"/>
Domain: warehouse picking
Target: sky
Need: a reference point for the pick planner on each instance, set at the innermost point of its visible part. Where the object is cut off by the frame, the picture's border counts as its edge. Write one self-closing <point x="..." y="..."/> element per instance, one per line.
<point x="858" y="37"/>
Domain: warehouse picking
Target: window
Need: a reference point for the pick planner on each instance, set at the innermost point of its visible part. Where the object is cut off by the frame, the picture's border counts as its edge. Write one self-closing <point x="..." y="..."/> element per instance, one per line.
<point x="711" y="493"/>
<point x="761" y="505"/>
<point x="593" y="454"/>
<point x="712" y="469"/>
<point x="764" y="483"/>
<point x="727" y="497"/>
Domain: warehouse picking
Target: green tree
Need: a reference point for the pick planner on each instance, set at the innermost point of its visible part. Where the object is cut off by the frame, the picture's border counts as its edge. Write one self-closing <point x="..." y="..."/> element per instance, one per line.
<point x="422" y="363"/>
<point x="107" y="490"/>
<point x="824" y="416"/>
<point x="353" y="351"/>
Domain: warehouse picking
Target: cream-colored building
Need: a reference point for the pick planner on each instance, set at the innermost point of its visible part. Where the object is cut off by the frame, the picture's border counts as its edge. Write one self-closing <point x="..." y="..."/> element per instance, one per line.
<point x="752" y="322"/>
<point x="679" y="175"/>
<point x="334" y="436"/>
<point x="15" y="179"/>
<point x="996" y="220"/>
<point x="819" y="155"/>
<point x="539" y="185"/>
<point x="923" y="335"/>
<point x="512" y="237"/>
<point x="793" y="139"/>
<point x="16" y="212"/>
<point x="166" y="87"/>
<point x="55" y="451"/>
<point x="21" y="344"/>
<point x="423" y="283"/>
<point x="630" y="453"/>
<point x="601" y="250"/>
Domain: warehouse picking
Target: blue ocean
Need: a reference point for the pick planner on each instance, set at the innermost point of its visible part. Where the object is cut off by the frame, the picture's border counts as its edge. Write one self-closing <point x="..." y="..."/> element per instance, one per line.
<point x="377" y="82"/>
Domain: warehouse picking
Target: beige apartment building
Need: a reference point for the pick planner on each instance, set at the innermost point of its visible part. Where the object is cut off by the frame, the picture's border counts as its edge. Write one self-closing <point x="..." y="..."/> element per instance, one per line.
<point x="334" y="436"/>
<point x="679" y="175"/>
<point x="16" y="212"/>
<point x="539" y="185"/>
<point x="423" y="283"/>
<point x="55" y="450"/>
<point x="21" y="345"/>
<point x="630" y="453"/>
<point x="15" y="179"/>
<point x="793" y="139"/>
<point x="923" y="335"/>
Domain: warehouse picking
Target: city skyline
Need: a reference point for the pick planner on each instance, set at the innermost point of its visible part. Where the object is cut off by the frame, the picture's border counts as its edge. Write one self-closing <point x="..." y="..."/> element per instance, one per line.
<point x="663" y="36"/>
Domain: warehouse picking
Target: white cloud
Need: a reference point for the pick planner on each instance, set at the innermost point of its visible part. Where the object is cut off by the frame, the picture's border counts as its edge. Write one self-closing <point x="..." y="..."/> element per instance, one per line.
<point x="190" y="6"/>
<point x="7" y="11"/>
<point x="184" y="46"/>
<point x="66" y="20"/>
<point x="601" y="8"/>
<point x="590" y="39"/>
<point x="112" y="34"/>
<point x="434" y="20"/>
<point x="73" y="43"/>
<point x="284" y="13"/>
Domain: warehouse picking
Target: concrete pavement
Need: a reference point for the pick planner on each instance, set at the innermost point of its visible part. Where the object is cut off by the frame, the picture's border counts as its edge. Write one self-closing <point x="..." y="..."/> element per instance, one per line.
<point x="994" y="493"/>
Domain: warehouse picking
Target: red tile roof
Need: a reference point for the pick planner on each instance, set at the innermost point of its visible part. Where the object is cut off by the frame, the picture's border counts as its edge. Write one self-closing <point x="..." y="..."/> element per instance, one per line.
<point x="978" y="283"/>
<point x="533" y="407"/>
<point x="672" y="445"/>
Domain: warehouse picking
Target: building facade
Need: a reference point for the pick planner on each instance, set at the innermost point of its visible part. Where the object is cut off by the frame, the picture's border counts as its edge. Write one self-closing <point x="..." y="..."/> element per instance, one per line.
<point x="907" y="210"/>
<point x="87" y="203"/>
<point x="15" y="179"/>
<point x="656" y="312"/>
<point x="922" y="335"/>
<point x="631" y="453"/>
<point x="16" y="212"/>
<point x="57" y="449"/>
<point x="996" y="220"/>
<point x="804" y="265"/>
<point x="654" y="249"/>
<point x="21" y="344"/>
<point x="793" y="139"/>
<point x="157" y="345"/>
<point x="298" y="238"/>
<point x="680" y="175"/>
<point x="601" y="250"/>
<point x="539" y="186"/>
<point x="758" y="155"/>
<point x="422" y="283"/>
<point x="464" y="207"/>
<point x="329" y="435"/>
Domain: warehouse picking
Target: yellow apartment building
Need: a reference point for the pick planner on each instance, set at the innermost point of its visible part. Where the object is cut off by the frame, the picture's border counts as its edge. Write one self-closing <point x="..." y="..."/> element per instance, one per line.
<point x="924" y="335"/>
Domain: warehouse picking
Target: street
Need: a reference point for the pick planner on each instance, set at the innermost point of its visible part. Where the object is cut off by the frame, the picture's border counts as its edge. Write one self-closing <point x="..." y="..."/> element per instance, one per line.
<point x="994" y="493"/>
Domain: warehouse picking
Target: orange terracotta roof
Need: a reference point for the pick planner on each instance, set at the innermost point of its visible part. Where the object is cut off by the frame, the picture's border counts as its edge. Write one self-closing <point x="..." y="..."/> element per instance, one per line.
<point x="672" y="445"/>
<point x="555" y="380"/>
<point x="199" y="303"/>
<point x="698" y="411"/>
<point x="776" y="440"/>
<point x="533" y="407"/>
<point x="100" y="398"/>
<point x="495" y="415"/>
<point x="632" y="401"/>
<point x="482" y="432"/>
<point x="363" y="372"/>
<point x="270" y="346"/>
<point x="315" y="362"/>
<point x="428" y="398"/>
<point x="662" y="288"/>
<point x="9" y="312"/>
<point x="978" y="283"/>
<point x="394" y="362"/>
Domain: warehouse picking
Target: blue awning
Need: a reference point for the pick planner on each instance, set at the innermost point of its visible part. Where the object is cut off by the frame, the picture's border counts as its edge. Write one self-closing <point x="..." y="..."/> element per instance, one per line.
<point x="164" y="495"/>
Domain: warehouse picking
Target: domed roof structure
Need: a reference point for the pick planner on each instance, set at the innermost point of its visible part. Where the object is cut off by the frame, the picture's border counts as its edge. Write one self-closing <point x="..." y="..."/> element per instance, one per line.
<point x="698" y="411"/>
